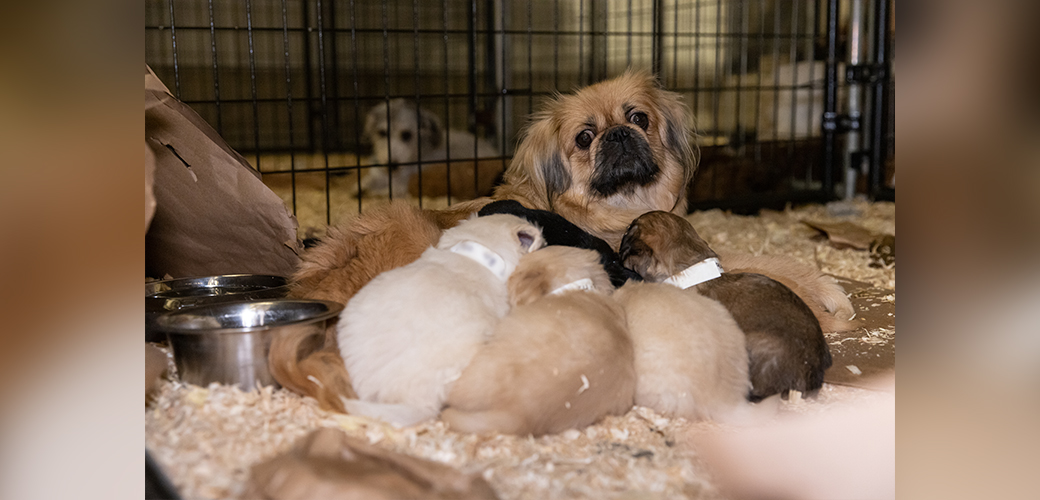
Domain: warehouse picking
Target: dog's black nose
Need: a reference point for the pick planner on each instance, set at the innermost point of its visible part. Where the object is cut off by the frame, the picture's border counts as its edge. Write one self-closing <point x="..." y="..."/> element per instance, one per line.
<point x="617" y="134"/>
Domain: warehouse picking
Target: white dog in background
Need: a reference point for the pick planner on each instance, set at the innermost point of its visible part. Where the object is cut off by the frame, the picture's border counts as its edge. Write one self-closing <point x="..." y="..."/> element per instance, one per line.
<point x="403" y="134"/>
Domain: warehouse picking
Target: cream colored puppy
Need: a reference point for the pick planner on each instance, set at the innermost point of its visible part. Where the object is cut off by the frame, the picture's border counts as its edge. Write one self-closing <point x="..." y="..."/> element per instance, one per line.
<point x="561" y="359"/>
<point x="407" y="334"/>
<point x="690" y="356"/>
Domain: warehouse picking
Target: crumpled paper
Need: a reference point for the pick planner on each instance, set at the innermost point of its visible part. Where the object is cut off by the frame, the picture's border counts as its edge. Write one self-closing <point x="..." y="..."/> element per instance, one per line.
<point x="213" y="215"/>
<point x="329" y="464"/>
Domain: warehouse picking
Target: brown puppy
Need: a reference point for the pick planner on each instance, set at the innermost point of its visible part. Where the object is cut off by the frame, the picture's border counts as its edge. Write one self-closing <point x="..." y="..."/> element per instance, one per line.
<point x="786" y="348"/>
<point x="561" y="359"/>
<point x="605" y="155"/>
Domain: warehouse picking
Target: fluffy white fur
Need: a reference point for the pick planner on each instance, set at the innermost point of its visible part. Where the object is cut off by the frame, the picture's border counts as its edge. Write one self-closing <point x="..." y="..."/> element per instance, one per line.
<point x="558" y="361"/>
<point x="407" y="335"/>
<point x="410" y="132"/>
<point x="690" y="355"/>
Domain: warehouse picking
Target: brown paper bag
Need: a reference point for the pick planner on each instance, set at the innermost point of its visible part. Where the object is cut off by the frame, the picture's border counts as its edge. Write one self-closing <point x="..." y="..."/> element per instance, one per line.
<point x="213" y="215"/>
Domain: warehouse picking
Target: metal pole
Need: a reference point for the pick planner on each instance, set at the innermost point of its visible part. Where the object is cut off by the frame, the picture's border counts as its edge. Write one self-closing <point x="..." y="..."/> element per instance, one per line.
<point x="851" y="161"/>
<point x="830" y="100"/>
<point x="879" y="125"/>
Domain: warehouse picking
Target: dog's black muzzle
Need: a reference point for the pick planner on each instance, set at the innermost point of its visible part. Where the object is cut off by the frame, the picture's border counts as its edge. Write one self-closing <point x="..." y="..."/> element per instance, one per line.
<point x="624" y="162"/>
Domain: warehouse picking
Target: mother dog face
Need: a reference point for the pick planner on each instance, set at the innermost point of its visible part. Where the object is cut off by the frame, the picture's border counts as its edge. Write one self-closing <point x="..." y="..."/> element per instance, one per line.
<point x="605" y="155"/>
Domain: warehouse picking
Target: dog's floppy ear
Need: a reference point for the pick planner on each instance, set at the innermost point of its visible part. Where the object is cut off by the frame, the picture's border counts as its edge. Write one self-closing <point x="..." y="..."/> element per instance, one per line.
<point x="430" y="129"/>
<point x="538" y="168"/>
<point x="372" y="119"/>
<point x="676" y="133"/>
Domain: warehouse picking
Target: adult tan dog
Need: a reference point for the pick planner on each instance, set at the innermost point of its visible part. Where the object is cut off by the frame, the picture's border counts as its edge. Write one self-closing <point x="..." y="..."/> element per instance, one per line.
<point x="605" y="155"/>
<point x="599" y="157"/>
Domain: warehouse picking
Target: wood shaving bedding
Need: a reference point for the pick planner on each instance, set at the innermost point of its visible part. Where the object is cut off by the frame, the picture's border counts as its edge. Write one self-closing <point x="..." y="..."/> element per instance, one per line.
<point x="207" y="438"/>
<point x="783" y="233"/>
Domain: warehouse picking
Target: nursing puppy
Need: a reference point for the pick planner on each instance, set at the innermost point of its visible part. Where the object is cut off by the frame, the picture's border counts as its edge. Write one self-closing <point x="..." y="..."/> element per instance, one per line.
<point x="407" y="335"/>
<point x="403" y="134"/>
<point x="559" y="231"/>
<point x="346" y="259"/>
<point x="690" y="355"/>
<point x="561" y="359"/>
<point x="786" y="348"/>
<point x="605" y="155"/>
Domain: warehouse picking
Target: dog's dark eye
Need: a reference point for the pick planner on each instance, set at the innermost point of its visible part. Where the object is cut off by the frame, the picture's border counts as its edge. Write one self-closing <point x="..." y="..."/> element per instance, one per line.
<point x="584" y="139"/>
<point x="639" y="119"/>
<point x="406" y="135"/>
<point x="381" y="133"/>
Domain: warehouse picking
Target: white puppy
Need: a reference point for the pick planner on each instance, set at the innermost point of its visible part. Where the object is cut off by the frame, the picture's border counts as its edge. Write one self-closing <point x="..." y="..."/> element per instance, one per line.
<point x="403" y="135"/>
<point x="407" y="334"/>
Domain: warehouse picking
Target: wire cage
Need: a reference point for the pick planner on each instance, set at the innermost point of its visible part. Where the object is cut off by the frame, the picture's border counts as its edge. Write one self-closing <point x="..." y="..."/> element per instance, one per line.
<point x="290" y="85"/>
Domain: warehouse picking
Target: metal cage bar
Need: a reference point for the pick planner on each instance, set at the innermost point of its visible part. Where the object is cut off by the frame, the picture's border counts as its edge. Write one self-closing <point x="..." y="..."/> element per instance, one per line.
<point x="298" y="79"/>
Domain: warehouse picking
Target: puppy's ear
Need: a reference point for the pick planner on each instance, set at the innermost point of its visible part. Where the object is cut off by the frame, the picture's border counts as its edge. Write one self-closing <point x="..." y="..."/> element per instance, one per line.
<point x="637" y="255"/>
<point x="372" y="121"/>
<point x="530" y="239"/>
<point x="676" y="134"/>
<point x="430" y="129"/>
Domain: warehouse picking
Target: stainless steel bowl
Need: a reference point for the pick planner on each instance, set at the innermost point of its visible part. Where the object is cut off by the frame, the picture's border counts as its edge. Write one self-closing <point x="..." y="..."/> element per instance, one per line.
<point x="229" y="343"/>
<point x="164" y="296"/>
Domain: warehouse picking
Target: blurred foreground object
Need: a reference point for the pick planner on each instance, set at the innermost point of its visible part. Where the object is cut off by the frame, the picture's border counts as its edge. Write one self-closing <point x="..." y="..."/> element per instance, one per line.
<point x="841" y="453"/>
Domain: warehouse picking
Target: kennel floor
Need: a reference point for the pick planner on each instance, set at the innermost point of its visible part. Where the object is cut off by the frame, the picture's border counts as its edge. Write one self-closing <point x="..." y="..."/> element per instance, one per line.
<point x="207" y="438"/>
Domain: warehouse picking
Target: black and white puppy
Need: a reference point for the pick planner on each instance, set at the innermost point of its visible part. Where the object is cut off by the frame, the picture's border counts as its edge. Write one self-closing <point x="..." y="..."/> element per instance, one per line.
<point x="559" y="231"/>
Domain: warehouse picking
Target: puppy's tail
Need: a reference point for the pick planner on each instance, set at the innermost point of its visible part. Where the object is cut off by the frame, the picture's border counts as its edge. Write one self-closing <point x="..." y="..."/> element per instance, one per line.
<point x="822" y="293"/>
<point x="298" y="362"/>
<point x="482" y="422"/>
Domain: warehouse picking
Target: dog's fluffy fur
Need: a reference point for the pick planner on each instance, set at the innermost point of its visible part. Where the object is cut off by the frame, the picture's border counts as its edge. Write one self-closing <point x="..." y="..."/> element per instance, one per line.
<point x="556" y="362"/>
<point x="402" y="135"/>
<point x="786" y="348"/>
<point x="605" y="155"/>
<point x="690" y="355"/>
<point x="407" y="335"/>
<point x="559" y="231"/>
<point x="822" y="293"/>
